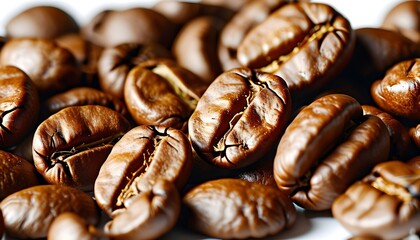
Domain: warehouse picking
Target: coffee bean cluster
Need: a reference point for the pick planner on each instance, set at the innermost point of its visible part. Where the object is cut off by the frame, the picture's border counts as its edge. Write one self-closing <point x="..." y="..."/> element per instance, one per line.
<point x="219" y="117"/>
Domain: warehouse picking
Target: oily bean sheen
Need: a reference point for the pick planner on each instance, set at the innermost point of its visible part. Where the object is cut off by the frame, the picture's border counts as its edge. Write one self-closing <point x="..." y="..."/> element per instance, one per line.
<point x="384" y="205"/>
<point x="144" y="155"/>
<point x="28" y="213"/>
<point x="327" y="147"/>
<point x="116" y="62"/>
<point x="160" y="92"/>
<point x="70" y="146"/>
<point x="237" y="209"/>
<point x="41" y="22"/>
<point x="304" y="43"/>
<point x="81" y="96"/>
<point x="399" y="91"/>
<point x="19" y="106"/>
<point x="240" y="117"/>
<point x="400" y="138"/>
<point x="15" y="174"/>
<point x="51" y="67"/>
<point x="70" y="226"/>
<point x="149" y="215"/>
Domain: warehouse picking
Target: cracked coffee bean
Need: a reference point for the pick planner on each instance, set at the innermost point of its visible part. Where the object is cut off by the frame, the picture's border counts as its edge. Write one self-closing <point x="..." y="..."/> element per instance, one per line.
<point x="240" y="117"/>
<point x="70" y="146"/>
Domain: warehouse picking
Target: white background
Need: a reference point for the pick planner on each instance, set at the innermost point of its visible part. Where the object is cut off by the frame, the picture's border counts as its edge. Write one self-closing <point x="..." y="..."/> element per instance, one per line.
<point x="361" y="13"/>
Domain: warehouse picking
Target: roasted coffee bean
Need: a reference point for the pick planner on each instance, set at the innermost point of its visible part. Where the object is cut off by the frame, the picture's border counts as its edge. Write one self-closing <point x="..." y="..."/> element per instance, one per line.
<point x="195" y="47"/>
<point x="234" y="5"/>
<point x="70" y="146"/>
<point x="116" y="62"/>
<point x="327" y="147"/>
<point x="405" y="19"/>
<point x="376" y="51"/>
<point x="15" y="174"/>
<point x="415" y="135"/>
<point x="235" y="208"/>
<point x="241" y="23"/>
<point x="19" y="106"/>
<point x="51" y="67"/>
<point x="134" y="25"/>
<point x="399" y="91"/>
<point x="70" y="226"/>
<point x="148" y="215"/>
<point x="81" y="96"/>
<point x="41" y="22"/>
<point x="240" y="117"/>
<point x="400" y="139"/>
<point x="306" y="44"/>
<point x="87" y="55"/>
<point x="160" y="92"/>
<point x="144" y="155"/>
<point x="385" y="204"/>
<point x="28" y="213"/>
<point x="181" y="12"/>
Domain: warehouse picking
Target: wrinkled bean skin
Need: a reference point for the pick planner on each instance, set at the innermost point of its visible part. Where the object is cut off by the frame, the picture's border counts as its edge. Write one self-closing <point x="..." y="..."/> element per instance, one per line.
<point x="160" y="92"/>
<point x="116" y="62"/>
<point x="57" y="72"/>
<point x="385" y="204"/>
<point x="405" y="19"/>
<point x="134" y="25"/>
<point x="241" y="23"/>
<point x="235" y="208"/>
<point x="81" y="96"/>
<point x="400" y="138"/>
<point x="28" y="213"/>
<point x="240" y="117"/>
<point x="15" y="174"/>
<point x="41" y="22"/>
<point x="399" y="91"/>
<point x="19" y="106"/>
<point x="318" y="44"/>
<point x="149" y="215"/>
<point x="70" y="146"/>
<point x="195" y="45"/>
<point x="181" y="12"/>
<point x="143" y="155"/>
<point x="70" y="226"/>
<point x="326" y="148"/>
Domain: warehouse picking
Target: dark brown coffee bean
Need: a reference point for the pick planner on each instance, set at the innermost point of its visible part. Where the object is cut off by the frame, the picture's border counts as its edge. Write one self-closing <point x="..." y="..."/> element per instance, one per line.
<point x="70" y="146"/>
<point x="81" y="96"/>
<point x="51" y="67"/>
<point x="41" y="22"/>
<point x="19" y="106"/>
<point x="144" y="155"/>
<point x="404" y="18"/>
<point x="415" y="135"/>
<point x="116" y="62"/>
<point x="240" y="117"/>
<point x="385" y="204"/>
<point x="181" y="12"/>
<point x="29" y="212"/>
<point x="306" y="44"/>
<point x="400" y="139"/>
<point x="241" y="23"/>
<point x="160" y="92"/>
<point x="134" y="25"/>
<point x="149" y="215"/>
<point x="70" y="226"/>
<point x="237" y="209"/>
<point x="15" y="174"/>
<point x="326" y="148"/>
<point x="398" y="92"/>
<point x="195" y="47"/>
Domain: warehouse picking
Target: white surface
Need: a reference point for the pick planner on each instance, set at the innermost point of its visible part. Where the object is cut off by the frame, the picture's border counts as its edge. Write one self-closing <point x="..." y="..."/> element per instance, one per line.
<point x="361" y="13"/>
